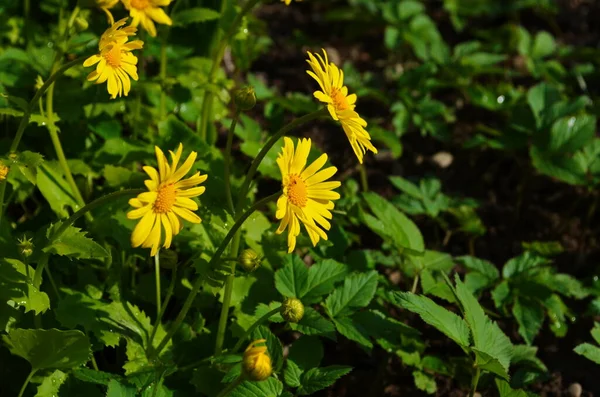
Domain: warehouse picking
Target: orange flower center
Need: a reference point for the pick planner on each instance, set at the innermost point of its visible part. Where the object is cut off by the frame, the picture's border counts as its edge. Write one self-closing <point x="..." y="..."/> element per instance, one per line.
<point x="165" y="199"/>
<point x="139" y="4"/>
<point x="297" y="191"/>
<point x="113" y="56"/>
<point x="340" y="101"/>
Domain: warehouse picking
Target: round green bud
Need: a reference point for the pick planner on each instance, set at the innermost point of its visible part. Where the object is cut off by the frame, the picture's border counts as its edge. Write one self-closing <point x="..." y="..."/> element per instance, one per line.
<point x="292" y="310"/>
<point x="25" y="246"/>
<point x="249" y="260"/>
<point x="244" y="98"/>
<point x="168" y="259"/>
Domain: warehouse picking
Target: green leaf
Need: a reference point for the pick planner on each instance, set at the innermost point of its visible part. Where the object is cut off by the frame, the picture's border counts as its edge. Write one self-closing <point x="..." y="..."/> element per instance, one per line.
<point x="313" y="323"/>
<point x="74" y="244"/>
<point x="544" y="248"/>
<point x="505" y="390"/>
<point x="292" y="373"/>
<point x="425" y="382"/>
<point x="488" y="338"/>
<point x="433" y="314"/>
<point x="51" y="384"/>
<point x="407" y="187"/>
<point x="486" y="268"/>
<point x="543" y="45"/>
<point x="385" y="330"/>
<point x="267" y="388"/>
<point x="292" y="280"/>
<point x="321" y="279"/>
<point x="540" y="98"/>
<point x="523" y="264"/>
<point x="55" y="189"/>
<point x="16" y="286"/>
<point x="353" y="331"/>
<point x="589" y="351"/>
<point x="93" y="376"/>
<point x="394" y="225"/>
<point x="116" y="389"/>
<point x="564" y="168"/>
<point x="194" y="15"/>
<point x="530" y="316"/>
<point x="273" y="344"/>
<point x="49" y="348"/>
<point x="28" y="163"/>
<point x="306" y="352"/>
<point x="357" y="292"/>
<point x="570" y="134"/>
<point x="316" y="379"/>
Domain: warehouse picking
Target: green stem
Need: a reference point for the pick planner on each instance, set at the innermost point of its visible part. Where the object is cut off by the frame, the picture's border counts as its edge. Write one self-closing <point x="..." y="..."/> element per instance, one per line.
<point x="215" y="258"/>
<point x="230" y="387"/>
<point x="258" y="322"/>
<point x="157" y="277"/>
<point x="235" y="246"/>
<point x="163" y="76"/>
<point x="216" y="63"/>
<point x="27" y="380"/>
<point x="363" y="177"/>
<point x="474" y="381"/>
<point x="228" y="161"/>
<point x="54" y="287"/>
<point x="163" y="309"/>
<point x="415" y="284"/>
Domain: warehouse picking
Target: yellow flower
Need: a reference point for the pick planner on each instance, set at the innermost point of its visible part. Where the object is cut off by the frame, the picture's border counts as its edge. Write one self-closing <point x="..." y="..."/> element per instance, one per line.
<point x="147" y="11"/>
<point x="288" y="2"/>
<point x="306" y="198"/>
<point x="340" y="105"/>
<point x="106" y="5"/>
<point x="256" y="364"/>
<point x="115" y="60"/>
<point x="3" y="171"/>
<point x="168" y="199"/>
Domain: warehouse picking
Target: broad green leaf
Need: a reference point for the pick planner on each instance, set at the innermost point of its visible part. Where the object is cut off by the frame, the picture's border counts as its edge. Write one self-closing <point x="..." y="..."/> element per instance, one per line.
<point x="51" y="384"/>
<point x="394" y="225"/>
<point x="353" y="331"/>
<point x="74" y="244"/>
<point x="589" y="351"/>
<point x="49" y="348"/>
<point x="292" y="373"/>
<point x="28" y="163"/>
<point x="386" y="331"/>
<point x="505" y="390"/>
<point x="55" y="189"/>
<point x="522" y="264"/>
<point x="194" y="15"/>
<point x="313" y="323"/>
<point x="444" y="320"/>
<point x="488" y="338"/>
<point x="543" y="45"/>
<point x="567" y="285"/>
<point x="307" y="352"/>
<point x="544" y="248"/>
<point x="569" y="134"/>
<point x="93" y="376"/>
<point x="316" y="379"/>
<point x="486" y="268"/>
<point x="116" y="389"/>
<point x="425" y="382"/>
<point x="406" y="186"/>
<point x="17" y="287"/>
<point x="530" y="316"/>
<point x="357" y="292"/>
<point x="436" y="286"/>
<point x="292" y="280"/>
<point x="267" y="388"/>
<point x="263" y="309"/>
<point x="501" y="293"/>
<point x="321" y="279"/>
<point x="273" y="344"/>
<point x="564" y="168"/>
<point x="432" y="261"/>
<point x="540" y="98"/>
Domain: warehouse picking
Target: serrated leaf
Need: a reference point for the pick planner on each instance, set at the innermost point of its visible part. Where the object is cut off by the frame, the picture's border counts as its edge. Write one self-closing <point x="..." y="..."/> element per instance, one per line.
<point x="433" y="314"/>
<point x="357" y="292"/>
<point x="505" y="390"/>
<point x="292" y="373"/>
<point x="28" y="163"/>
<point x="424" y="382"/>
<point x="116" y="389"/>
<point x="394" y="225"/>
<point x="321" y="279"/>
<point x="589" y="351"/>
<point x="316" y="379"/>
<point x="49" y="348"/>
<point x="16" y="286"/>
<point x="55" y="189"/>
<point x="522" y="264"/>
<point x="93" y="376"/>
<point x="530" y="316"/>
<point x="353" y="331"/>
<point x="486" y="268"/>
<point x="292" y="280"/>
<point x="74" y="244"/>
<point x="194" y="15"/>
<point x="486" y="362"/>
<point x="307" y="352"/>
<point x="488" y="338"/>
<point x="51" y="384"/>
<point x="267" y="388"/>
<point x="313" y="323"/>
<point x="273" y="344"/>
<point x="569" y="134"/>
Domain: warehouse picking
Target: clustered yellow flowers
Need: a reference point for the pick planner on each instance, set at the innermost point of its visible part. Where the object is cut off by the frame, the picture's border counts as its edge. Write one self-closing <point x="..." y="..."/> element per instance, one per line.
<point x="144" y="12"/>
<point x="168" y="198"/>
<point x="115" y="62"/>
<point x="256" y="363"/>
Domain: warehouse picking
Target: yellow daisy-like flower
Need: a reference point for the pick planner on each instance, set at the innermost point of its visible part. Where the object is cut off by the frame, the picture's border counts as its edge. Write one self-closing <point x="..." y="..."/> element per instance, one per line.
<point x="340" y="105"/>
<point x="147" y="12"/>
<point x="3" y="171"/>
<point x="168" y="199"/>
<point x="288" y="2"/>
<point x="256" y="363"/>
<point x="306" y="198"/>
<point x="115" y="61"/>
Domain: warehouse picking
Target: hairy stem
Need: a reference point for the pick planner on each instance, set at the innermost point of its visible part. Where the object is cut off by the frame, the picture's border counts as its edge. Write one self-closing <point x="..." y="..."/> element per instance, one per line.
<point x="258" y="322"/>
<point x="157" y="277"/>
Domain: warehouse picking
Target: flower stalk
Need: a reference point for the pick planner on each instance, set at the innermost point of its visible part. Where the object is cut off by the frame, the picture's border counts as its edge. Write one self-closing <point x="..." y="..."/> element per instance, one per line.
<point x="258" y="322"/>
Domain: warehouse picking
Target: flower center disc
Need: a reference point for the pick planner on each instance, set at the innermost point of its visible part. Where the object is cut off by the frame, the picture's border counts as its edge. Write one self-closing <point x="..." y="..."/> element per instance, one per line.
<point x="165" y="199"/>
<point x="113" y="56"/>
<point x="297" y="192"/>
<point x="340" y="102"/>
<point x="139" y="4"/>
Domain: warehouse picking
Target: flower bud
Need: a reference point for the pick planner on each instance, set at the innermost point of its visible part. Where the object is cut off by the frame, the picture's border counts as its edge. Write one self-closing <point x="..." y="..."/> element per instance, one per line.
<point x="3" y="171"/>
<point x="292" y="310"/>
<point x="168" y="259"/>
<point x="81" y="24"/>
<point x="39" y="82"/>
<point x="244" y="98"/>
<point x="25" y="246"/>
<point x="249" y="260"/>
<point x="256" y="363"/>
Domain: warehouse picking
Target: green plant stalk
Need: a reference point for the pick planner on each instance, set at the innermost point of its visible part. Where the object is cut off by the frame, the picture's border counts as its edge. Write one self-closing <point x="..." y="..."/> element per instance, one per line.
<point x="364" y="182"/>
<point x="216" y="63"/>
<point x="27" y="380"/>
<point x="163" y="309"/>
<point x="474" y="381"/>
<point x="25" y="119"/>
<point x="229" y="160"/>
<point x="235" y="246"/>
<point x="215" y="258"/>
<point x="230" y="387"/>
<point x="163" y="76"/>
<point x="415" y="284"/>
<point x="157" y="277"/>
<point x="258" y="322"/>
